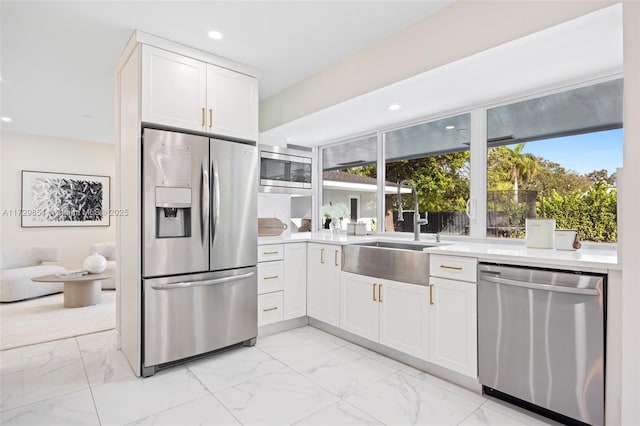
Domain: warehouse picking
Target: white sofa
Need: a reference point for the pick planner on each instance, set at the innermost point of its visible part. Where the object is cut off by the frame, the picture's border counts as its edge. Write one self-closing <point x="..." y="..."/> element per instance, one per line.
<point x="18" y="266"/>
<point x="108" y="250"/>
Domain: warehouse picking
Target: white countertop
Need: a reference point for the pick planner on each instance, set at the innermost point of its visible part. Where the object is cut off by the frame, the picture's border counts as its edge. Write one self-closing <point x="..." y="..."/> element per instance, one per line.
<point x="584" y="259"/>
<point x="587" y="259"/>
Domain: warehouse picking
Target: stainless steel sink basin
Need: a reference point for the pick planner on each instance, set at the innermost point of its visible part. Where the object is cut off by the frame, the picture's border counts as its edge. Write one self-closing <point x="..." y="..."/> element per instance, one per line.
<point x="395" y="245"/>
<point x="397" y="261"/>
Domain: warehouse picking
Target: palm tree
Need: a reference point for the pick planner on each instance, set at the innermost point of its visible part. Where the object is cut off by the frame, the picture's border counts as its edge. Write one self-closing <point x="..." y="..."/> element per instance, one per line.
<point x="523" y="167"/>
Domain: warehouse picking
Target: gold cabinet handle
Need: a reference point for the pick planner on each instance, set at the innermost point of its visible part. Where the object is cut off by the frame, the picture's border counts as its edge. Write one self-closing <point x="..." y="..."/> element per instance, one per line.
<point x="431" y="294"/>
<point x="210" y="118"/>
<point x="380" y="293"/>
<point x="272" y="277"/>
<point x="202" y="117"/>
<point x="270" y="252"/>
<point x="374" y="292"/>
<point x="270" y="309"/>
<point x="457" y="268"/>
<point x="321" y="255"/>
<point x="335" y="257"/>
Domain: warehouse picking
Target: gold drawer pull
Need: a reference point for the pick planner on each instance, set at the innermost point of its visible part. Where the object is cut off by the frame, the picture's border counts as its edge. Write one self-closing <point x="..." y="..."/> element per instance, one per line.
<point x="374" y="292"/>
<point x="380" y="293"/>
<point x="270" y="309"/>
<point x="321" y="255"/>
<point x="431" y="294"/>
<point x="335" y="258"/>
<point x="272" y="277"/>
<point x="270" y="252"/>
<point x="210" y="118"/>
<point x="202" y="117"/>
<point x="457" y="268"/>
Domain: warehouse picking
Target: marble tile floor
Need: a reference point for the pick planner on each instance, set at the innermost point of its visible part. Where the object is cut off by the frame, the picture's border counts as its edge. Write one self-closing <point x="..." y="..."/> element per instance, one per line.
<point x="299" y="377"/>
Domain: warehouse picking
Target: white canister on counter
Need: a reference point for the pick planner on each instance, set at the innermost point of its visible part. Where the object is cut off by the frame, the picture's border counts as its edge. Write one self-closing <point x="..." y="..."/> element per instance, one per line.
<point x="540" y="232"/>
<point x="565" y="239"/>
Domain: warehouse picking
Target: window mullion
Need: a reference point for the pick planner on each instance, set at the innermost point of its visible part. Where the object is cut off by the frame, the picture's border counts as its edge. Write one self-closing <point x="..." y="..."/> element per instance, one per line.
<point x="478" y="174"/>
<point x="381" y="176"/>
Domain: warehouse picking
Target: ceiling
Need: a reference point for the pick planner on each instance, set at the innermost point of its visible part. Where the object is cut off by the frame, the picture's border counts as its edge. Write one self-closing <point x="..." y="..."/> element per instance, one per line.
<point x="585" y="49"/>
<point x="58" y="57"/>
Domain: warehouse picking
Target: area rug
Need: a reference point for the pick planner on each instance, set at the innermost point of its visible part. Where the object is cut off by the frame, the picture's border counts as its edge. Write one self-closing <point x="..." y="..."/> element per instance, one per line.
<point x="45" y="318"/>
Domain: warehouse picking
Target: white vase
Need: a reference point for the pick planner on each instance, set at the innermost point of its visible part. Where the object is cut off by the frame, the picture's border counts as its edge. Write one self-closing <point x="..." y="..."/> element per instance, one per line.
<point x="95" y="264"/>
<point x="335" y="225"/>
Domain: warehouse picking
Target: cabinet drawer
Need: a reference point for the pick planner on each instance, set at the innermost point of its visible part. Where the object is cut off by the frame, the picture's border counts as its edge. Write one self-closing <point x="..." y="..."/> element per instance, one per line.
<point x="270" y="276"/>
<point x="270" y="308"/>
<point x="270" y="252"/>
<point x="453" y="267"/>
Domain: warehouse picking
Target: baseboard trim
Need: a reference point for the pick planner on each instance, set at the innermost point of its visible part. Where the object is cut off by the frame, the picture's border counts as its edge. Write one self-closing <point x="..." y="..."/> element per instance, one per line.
<point x="435" y="370"/>
<point x="279" y="327"/>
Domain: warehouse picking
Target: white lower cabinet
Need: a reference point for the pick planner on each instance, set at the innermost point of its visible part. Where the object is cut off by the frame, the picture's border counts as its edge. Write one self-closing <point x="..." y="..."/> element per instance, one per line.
<point x="323" y="282"/>
<point x="270" y="308"/>
<point x="359" y="310"/>
<point x="282" y="282"/>
<point x="388" y="312"/>
<point x="403" y="317"/>
<point x="453" y="332"/>
<point x="295" y="280"/>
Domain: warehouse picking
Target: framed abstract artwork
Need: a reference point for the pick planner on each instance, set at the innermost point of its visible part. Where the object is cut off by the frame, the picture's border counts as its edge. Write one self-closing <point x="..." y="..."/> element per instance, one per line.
<point x="64" y="199"/>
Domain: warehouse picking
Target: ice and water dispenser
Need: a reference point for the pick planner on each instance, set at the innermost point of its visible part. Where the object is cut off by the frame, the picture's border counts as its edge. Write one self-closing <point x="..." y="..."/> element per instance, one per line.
<point x="173" y="212"/>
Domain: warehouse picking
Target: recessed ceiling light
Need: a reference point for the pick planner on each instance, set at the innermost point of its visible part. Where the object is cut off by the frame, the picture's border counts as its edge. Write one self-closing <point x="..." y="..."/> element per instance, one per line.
<point x="215" y="35"/>
<point x="7" y="119"/>
<point x="394" y="107"/>
<point x="450" y="127"/>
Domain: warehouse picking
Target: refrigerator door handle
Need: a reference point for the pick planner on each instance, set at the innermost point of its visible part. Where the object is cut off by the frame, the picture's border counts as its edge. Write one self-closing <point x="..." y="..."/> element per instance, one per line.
<point x="204" y="203"/>
<point x="215" y="216"/>
<point x="537" y="286"/>
<point x="188" y="284"/>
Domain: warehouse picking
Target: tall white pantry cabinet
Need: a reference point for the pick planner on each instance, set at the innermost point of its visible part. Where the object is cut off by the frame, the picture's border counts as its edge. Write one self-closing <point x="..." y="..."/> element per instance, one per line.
<point x="164" y="84"/>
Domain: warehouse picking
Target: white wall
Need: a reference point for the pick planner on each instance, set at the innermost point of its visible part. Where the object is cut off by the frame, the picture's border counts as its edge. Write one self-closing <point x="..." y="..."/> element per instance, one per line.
<point x="460" y="30"/>
<point x="38" y="153"/>
<point x="630" y="227"/>
<point x="278" y="206"/>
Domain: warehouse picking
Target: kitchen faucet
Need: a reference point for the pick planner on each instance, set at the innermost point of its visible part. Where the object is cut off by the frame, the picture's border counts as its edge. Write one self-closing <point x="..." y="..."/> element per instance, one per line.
<point x="417" y="221"/>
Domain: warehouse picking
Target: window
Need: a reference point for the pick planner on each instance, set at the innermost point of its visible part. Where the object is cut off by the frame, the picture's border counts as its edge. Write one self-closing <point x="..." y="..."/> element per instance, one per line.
<point x="556" y="157"/>
<point x="553" y="156"/>
<point x="350" y="177"/>
<point x="434" y="156"/>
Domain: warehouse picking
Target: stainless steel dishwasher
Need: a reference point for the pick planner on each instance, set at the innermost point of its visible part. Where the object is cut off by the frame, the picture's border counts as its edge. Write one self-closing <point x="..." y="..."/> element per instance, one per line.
<point x="541" y="340"/>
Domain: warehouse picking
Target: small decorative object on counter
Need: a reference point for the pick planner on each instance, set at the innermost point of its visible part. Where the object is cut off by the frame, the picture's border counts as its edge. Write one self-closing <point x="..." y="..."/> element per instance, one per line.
<point x="95" y="264"/>
<point x="576" y="242"/>
<point x="336" y="212"/>
<point x="356" y="228"/>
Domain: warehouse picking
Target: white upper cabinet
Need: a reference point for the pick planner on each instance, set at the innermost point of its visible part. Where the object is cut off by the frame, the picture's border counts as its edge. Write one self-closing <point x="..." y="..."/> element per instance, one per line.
<point x="232" y="103"/>
<point x="173" y="89"/>
<point x="185" y="93"/>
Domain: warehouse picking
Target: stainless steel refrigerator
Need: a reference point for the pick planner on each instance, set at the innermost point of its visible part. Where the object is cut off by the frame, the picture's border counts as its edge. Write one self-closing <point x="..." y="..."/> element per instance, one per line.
<point x="199" y="249"/>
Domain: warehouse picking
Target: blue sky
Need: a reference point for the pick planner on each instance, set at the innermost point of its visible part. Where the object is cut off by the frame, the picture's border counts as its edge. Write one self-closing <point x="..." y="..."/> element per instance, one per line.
<point x="582" y="153"/>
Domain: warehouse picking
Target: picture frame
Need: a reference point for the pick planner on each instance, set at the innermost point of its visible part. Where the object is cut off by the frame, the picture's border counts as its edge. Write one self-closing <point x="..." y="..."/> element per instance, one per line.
<point x="52" y="199"/>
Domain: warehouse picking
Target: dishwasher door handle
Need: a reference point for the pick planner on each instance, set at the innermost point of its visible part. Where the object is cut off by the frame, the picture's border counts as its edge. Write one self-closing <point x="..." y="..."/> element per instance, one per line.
<point x="543" y="287"/>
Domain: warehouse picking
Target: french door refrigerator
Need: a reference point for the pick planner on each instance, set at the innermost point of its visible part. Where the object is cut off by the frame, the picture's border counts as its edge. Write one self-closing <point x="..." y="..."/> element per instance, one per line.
<point x="199" y="249"/>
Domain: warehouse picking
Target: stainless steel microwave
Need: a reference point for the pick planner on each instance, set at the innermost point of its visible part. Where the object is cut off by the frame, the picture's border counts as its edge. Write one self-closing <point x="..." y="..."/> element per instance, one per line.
<point x="285" y="171"/>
